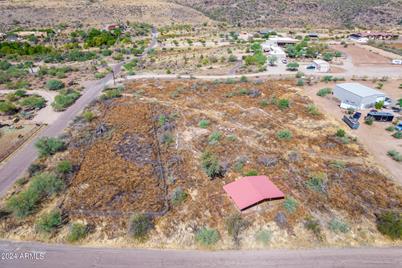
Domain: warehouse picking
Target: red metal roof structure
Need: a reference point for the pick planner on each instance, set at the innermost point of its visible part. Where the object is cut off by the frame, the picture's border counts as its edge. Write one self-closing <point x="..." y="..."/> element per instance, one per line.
<point x="249" y="191"/>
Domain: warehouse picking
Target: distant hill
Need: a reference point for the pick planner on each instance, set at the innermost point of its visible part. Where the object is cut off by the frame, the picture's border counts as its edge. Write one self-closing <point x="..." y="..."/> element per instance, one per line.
<point x="296" y="13"/>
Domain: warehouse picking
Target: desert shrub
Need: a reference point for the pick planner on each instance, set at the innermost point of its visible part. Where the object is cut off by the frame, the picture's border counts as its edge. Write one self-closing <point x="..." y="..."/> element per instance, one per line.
<point x="48" y="146"/>
<point x="327" y="78"/>
<point x="390" y="128"/>
<point x="178" y="196"/>
<point x="313" y="225"/>
<point x="324" y="92"/>
<point x="167" y="138"/>
<point x="243" y="79"/>
<point x="23" y="203"/>
<point x="203" y="123"/>
<point x="299" y="74"/>
<point x="140" y="225"/>
<point x="379" y="104"/>
<point x="235" y="224"/>
<point x="290" y="204"/>
<point x="231" y="137"/>
<point x="207" y="237"/>
<point x="88" y="116"/>
<point x="76" y="232"/>
<point x="251" y="173"/>
<point x="7" y="108"/>
<point x="397" y="135"/>
<point x="35" y="168"/>
<point x="340" y="133"/>
<point x="317" y="182"/>
<point x="292" y="66"/>
<point x="337" y="164"/>
<point x="65" y="99"/>
<point x="214" y="137"/>
<point x="369" y="120"/>
<point x="264" y="103"/>
<point x="300" y="82"/>
<point x="111" y="94"/>
<point x="338" y="226"/>
<point x="283" y="104"/>
<point x="54" y="84"/>
<point x="395" y="155"/>
<point x="46" y="184"/>
<point x="284" y="135"/>
<point x="64" y="167"/>
<point x="389" y="223"/>
<point x="48" y="222"/>
<point x="33" y="102"/>
<point x="312" y="109"/>
<point x="210" y="164"/>
<point x="263" y="236"/>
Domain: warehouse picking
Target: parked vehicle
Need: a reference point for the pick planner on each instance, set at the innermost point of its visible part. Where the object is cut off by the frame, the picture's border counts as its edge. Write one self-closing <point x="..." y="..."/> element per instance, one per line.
<point x="310" y="67"/>
<point x="396" y="109"/>
<point x="397" y="62"/>
<point x="380" y="116"/>
<point x="399" y="126"/>
<point x="357" y="115"/>
<point x="353" y="123"/>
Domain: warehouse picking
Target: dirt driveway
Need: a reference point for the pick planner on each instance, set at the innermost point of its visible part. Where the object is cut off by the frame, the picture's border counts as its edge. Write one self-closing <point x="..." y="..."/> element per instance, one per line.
<point x="374" y="138"/>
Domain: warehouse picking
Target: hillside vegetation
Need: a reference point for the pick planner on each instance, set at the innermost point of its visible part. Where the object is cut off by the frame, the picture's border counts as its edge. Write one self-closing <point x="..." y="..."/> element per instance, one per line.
<point x="336" y="13"/>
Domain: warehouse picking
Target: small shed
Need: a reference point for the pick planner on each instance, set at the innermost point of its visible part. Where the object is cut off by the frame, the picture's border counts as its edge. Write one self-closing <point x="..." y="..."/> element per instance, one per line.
<point x="321" y="66"/>
<point x="249" y="191"/>
<point x="357" y="96"/>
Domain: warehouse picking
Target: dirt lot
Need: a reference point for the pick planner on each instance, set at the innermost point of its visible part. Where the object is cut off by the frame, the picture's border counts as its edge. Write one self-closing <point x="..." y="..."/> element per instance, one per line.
<point x="363" y="57"/>
<point x="12" y="138"/>
<point x="375" y="138"/>
<point x="143" y="147"/>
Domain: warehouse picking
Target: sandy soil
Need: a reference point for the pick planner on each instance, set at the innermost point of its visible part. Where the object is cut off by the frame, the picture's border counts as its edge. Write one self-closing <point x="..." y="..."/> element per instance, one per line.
<point x="374" y="138"/>
<point x="361" y="56"/>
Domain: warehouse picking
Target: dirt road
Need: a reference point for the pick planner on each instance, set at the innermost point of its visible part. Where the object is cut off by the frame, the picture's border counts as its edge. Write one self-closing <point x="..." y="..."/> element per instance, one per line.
<point x="73" y="256"/>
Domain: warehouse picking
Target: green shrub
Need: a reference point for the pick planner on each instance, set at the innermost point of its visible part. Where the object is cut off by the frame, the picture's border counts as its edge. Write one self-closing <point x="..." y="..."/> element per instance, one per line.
<point x="251" y="173"/>
<point x="340" y="133"/>
<point x="300" y="82"/>
<point x="284" y="135"/>
<point x="235" y="224"/>
<point x="290" y="204"/>
<point x="48" y="146"/>
<point x="23" y="203"/>
<point x="64" y="167"/>
<point x="231" y="137"/>
<point x="54" y="84"/>
<point x="207" y="237"/>
<point x="327" y="78"/>
<point x="317" y="182"/>
<point x="313" y="225"/>
<point x="46" y="184"/>
<point x="48" y="222"/>
<point x="111" y="94"/>
<point x="389" y="223"/>
<point x="397" y="135"/>
<point x="65" y="99"/>
<point x="77" y="232"/>
<point x="338" y="226"/>
<point x="264" y="237"/>
<point x="379" y="104"/>
<point x="395" y="155"/>
<point x="35" y="168"/>
<point x="178" y="196"/>
<point x="167" y="138"/>
<point x="390" y="128"/>
<point x="264" y="103"/>
<point x="313" y="110"/>
<point x="7" y="108"/>
<point x="210" y="164"/>
<point x="292" y="66"/>
<point x="214" y="137"/>
<point x="140" y="225"/>
<point x="243" y="79"/>
<point x="283" y="104"/>
<point x="337" y="164"/>
<point x="369" y="120"/>
<point x="33" y="102"/>
<point x="299" y="74"/>
<point x="324" y="92"/>
<point x="203" y="123"/>
<point x="88" y="116"/>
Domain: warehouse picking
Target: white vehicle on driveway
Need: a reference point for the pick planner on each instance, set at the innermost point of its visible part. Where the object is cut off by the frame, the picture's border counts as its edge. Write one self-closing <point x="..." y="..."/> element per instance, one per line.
<point x="397" y="62"/>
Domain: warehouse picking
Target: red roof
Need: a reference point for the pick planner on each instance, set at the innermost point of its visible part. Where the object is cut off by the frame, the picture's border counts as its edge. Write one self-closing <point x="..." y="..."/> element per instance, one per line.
<point x="249" y="191"/>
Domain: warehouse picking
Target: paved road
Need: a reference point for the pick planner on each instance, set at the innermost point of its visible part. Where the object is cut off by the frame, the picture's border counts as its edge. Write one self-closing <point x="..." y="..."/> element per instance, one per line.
<point x="73" y="256"/>
<point x="20" y="161"/>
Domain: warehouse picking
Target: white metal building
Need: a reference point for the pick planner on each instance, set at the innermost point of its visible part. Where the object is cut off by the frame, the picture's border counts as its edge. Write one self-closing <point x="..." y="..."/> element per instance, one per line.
<point x="321" y="66"/>
<point x="357" y="96"/>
